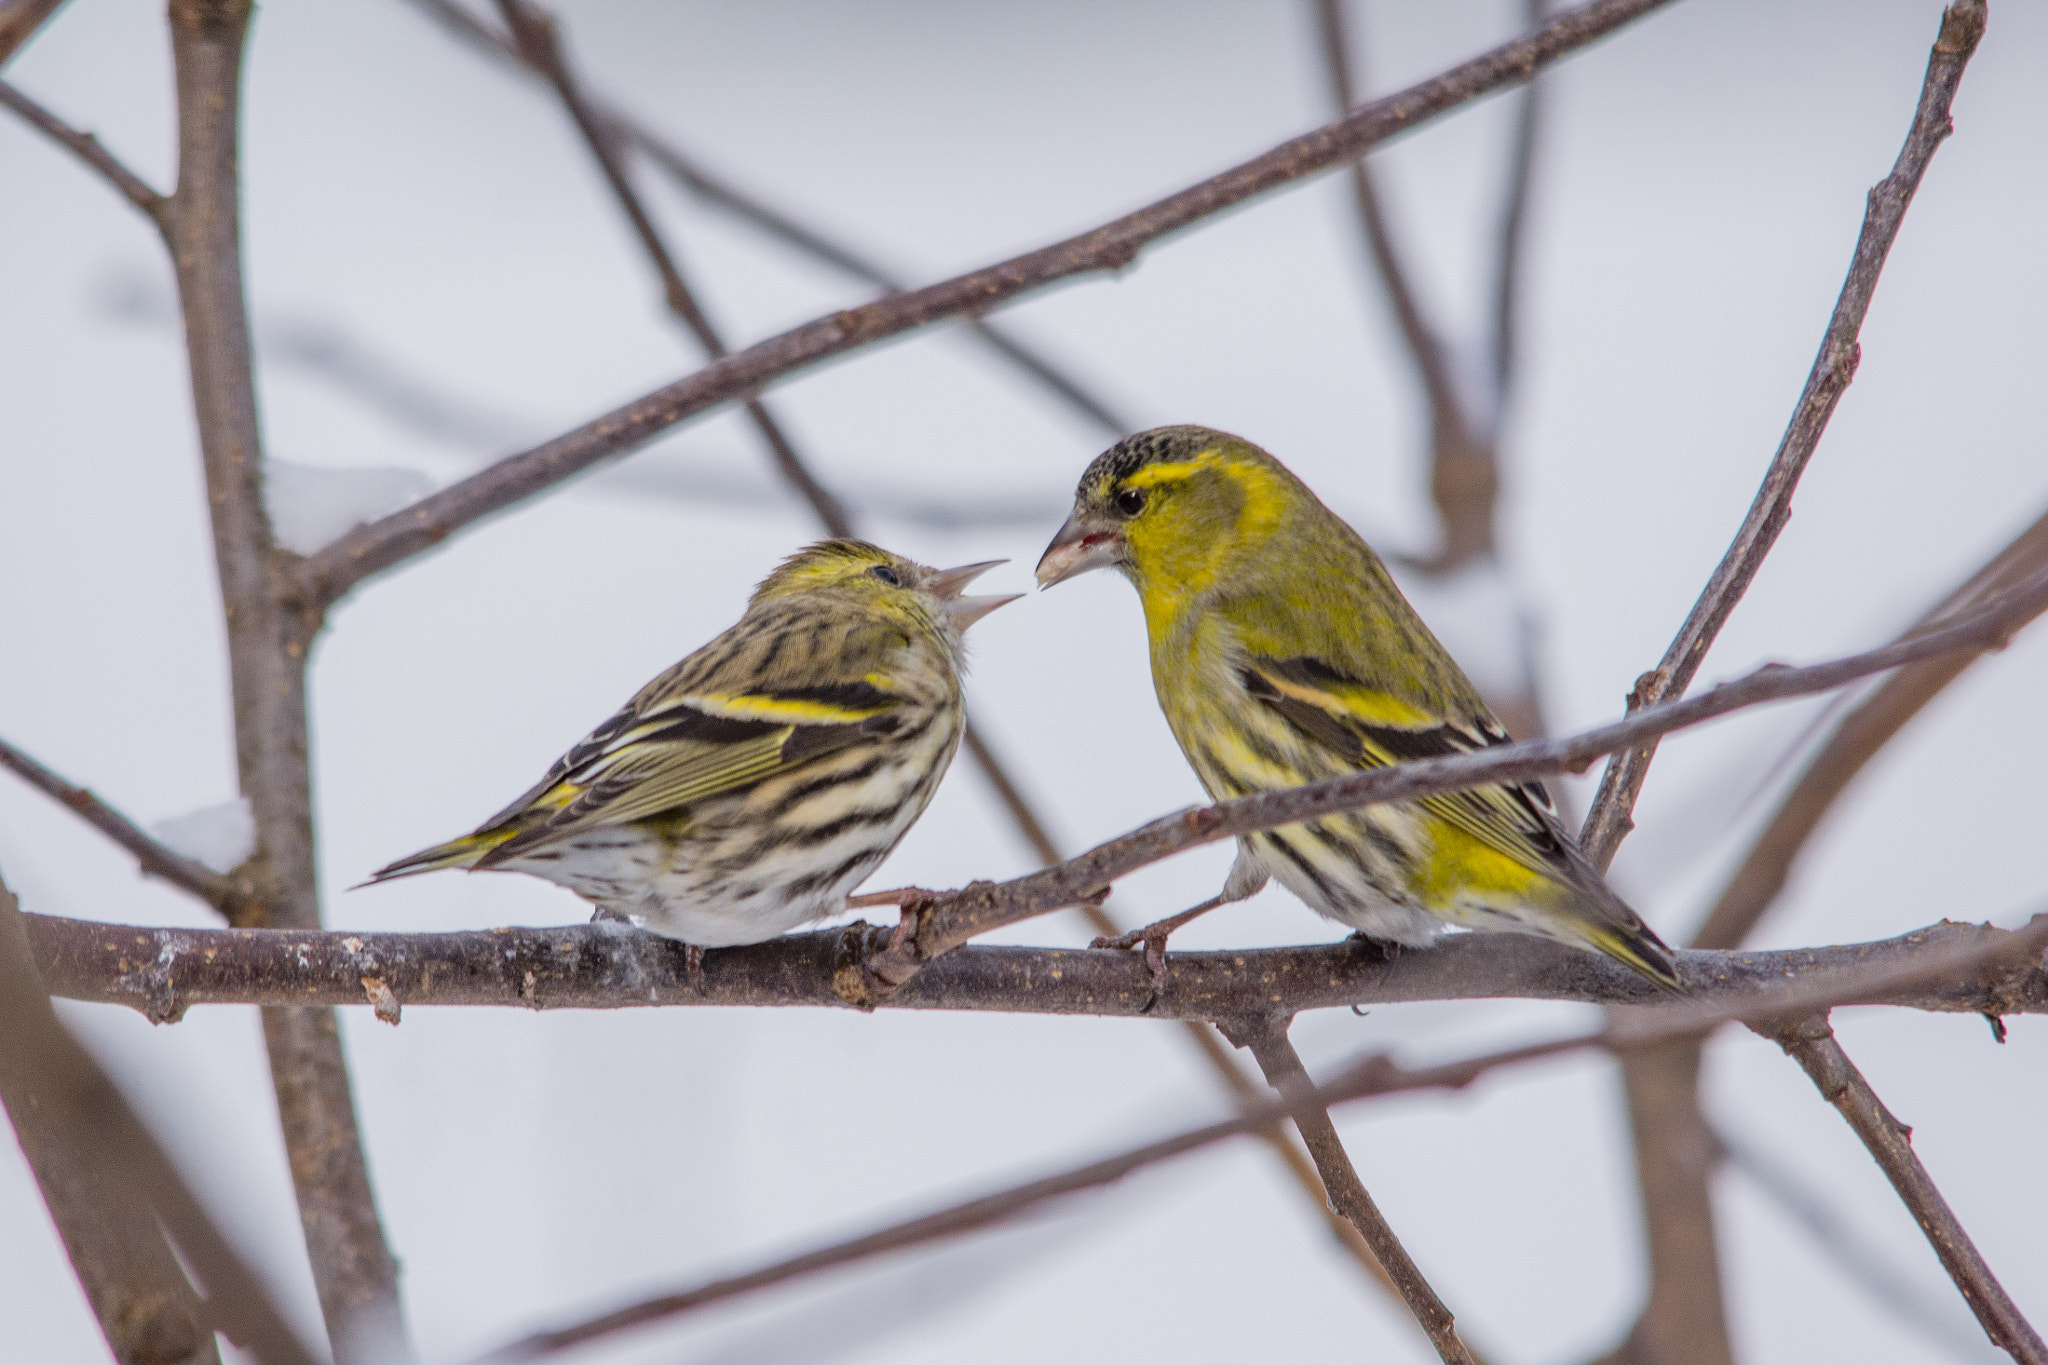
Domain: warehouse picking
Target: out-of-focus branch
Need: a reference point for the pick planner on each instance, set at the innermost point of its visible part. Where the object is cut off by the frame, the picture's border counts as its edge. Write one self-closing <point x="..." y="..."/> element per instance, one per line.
<point x="108" y="1184"/>
<point x="1463" y="477"/>
<point x="1512" y="243"/>
<point x="1844" y="1246"/>
<point x="1372" y="1076"/>
<point x="1347" y="1193"/>
<point x="775" y="223"/>
<point x="87" y="149"/>
<point x="187" y="874"/>
<point x="390" y="540"/>
<point x="1855" y="740"/>
<point x="270" y="631"/>
<point x="1810" y="1042"/>
<point x="19" y="20"/>
<point x="1962" y="25"/>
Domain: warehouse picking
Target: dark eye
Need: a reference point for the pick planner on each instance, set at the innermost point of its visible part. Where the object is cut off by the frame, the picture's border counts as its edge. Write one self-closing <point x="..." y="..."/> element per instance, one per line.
<point x="887" y="575"/>
<point x="1131" y="501"/>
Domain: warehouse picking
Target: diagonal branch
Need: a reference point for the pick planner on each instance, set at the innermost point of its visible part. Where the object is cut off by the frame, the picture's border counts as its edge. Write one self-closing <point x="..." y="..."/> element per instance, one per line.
<point x="390" y="540"/>
<point x="77" y="1128"/>
<point x="1810" y="1042"/>
<point x="777" y="224"/>
<point x="1962" y="25"/>
<point x="187" y="874"/>
<point x="87" y="149"/>
<point x="1347" y="1193"/>
<point x="1373" y="1076"/>
<point x="19" y="22"/>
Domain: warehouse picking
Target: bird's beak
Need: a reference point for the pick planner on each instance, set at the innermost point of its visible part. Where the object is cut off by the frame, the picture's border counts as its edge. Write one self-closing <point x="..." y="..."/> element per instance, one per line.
<point x="962" y="612"/>
<point x="1084" y="543"/>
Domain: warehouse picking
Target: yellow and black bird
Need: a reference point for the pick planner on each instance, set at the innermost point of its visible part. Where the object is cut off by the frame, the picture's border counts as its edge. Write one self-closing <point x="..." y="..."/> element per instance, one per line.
<point x="751" y="787"/>
<point x="1282" y="654"/>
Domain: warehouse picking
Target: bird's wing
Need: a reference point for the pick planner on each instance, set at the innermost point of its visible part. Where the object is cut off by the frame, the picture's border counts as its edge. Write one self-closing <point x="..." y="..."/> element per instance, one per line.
<point x="667" y="749"/>
<point x="1371" y="728"/>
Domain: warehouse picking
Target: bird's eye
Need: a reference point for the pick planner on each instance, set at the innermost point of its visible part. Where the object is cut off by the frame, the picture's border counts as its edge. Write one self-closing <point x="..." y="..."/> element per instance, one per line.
<point x="1131" y="501"/>
<point x="887" y="575"/>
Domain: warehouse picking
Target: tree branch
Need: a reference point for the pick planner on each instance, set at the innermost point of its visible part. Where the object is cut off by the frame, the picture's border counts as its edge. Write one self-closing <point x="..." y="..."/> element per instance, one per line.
<point x="87" y="149"/>
<point x="188" y="875"/>
<point x="19" y="21"/>
<point x="775" y="223"/>
<point x="1511" y="246"/>
<point x="1810" y="1042"/>
<point x="108" y="1183"/>
<point x="1372" y="1076"/>
<point x="270" y="632"/>
<point x="1962" y="25"/>
<point x="381" y="544"/>
<point x="1347" y="1193"/>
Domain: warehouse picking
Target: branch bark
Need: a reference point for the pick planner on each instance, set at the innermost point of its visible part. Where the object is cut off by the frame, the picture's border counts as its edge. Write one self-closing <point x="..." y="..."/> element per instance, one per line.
<point x="381" y="544"/>
<point x="108" y="1184"/>
<point x="270" y="630"/>
<point x="1810" y="1042"/>
<point x="19" y="21"/>
<point x="1347" y="1193"/>
<point x="1962" y="25"/>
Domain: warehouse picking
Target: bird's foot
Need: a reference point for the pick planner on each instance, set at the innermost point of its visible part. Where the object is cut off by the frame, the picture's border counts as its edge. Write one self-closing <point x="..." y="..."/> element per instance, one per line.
<point x="1384" y="950"/>
<point x="693" y="965"/>
<point x="1154" y="936"/>
<point x="606" y="913"/>
<point x="905" y="896"/>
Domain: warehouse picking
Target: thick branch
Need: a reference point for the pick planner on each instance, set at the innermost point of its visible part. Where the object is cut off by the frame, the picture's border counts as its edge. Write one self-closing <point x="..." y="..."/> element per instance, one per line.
<point x="1962" y="25"/>
<point x="269" y="635"/>
<point x="108" y="1184"/>
<point x="87" y="149"/>
<point x="164" y="972"/>
<point x="192" y="877"/>
<point x="1347" y="1193"/>
<point x="1372" y="1076"/>
<point x="1810" y="1042"/>
<point x="381" y="544"/>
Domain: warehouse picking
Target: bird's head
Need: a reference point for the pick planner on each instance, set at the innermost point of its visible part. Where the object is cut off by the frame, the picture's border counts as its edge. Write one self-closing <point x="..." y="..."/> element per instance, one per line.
<point x="1172" y="506"/>
<point x="886" y="584"/>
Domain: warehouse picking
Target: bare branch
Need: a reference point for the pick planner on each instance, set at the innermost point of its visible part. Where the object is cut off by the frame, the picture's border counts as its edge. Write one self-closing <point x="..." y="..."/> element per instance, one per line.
<point x="188" y="875"/>
<point x="1512" y="243"/>
<point x="270" y="632"/>
<point x="87" y="149"/>
<point x="108" y="1182"/>
<point x="1962" y="25"/>
<point x="1347" y="1193"/>
<point x="1373" y="1076"/>
<point x="164" y="972"/>
<point x="19" y="21"/>
<point x="381" y="544"/>
<point x="1855" y="740"/>
<point x="1810" y="1042"/>
<point x="779" y="225"/>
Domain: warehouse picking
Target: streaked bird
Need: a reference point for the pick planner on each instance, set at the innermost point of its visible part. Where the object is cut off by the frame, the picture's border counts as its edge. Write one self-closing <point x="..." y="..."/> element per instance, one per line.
<point x="751" y="787"/>
<point x="1283" y="654"/>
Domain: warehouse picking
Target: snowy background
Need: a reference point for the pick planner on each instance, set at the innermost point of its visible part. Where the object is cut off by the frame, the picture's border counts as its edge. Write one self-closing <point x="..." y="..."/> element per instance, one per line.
<point x="1701" y="184"/>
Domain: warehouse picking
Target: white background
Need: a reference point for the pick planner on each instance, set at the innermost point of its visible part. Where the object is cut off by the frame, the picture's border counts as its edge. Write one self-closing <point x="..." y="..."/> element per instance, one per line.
<point x="1701" y="185"/>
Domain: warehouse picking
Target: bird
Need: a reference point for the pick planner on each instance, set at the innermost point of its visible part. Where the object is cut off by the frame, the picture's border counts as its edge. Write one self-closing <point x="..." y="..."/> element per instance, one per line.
<point x="752" y="786"/>
<point x="1283" y="654"/>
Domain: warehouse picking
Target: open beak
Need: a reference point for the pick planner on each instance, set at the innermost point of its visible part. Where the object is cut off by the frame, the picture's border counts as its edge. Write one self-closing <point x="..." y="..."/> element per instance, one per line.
<point x="1082" y="544"/>
<point x="961" y="611"/>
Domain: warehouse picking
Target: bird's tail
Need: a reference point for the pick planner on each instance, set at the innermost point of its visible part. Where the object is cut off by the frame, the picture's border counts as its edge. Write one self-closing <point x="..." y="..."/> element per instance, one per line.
<point x="1588" y="913"/>
<point x="463" y="852"/>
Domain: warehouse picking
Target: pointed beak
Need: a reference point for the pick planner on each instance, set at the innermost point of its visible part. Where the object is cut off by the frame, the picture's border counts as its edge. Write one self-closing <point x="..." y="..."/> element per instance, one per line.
<point x="962" y="611"/>
<point x="1082" y="544"/>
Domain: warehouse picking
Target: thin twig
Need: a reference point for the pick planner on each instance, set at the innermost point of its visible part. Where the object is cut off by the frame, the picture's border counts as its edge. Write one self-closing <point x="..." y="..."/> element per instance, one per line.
<point x="187" y="874"/>
<point x="1855" y="740"/>
<point x="1347" y="1193"/>
<point x="777" y="224"/>
<point x="1511" y="244"/>
<point x="19" y="21"/>
<point x="1810" y="1042"/>
<point x="1372" y="1076"/>
<point x="87" y="149"/>
<point x="269" y="635"/>
<point x="98" y="1137"/>
<point x="1962" y="25"/>
<point x="390" y="540"/>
